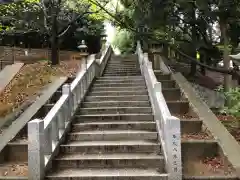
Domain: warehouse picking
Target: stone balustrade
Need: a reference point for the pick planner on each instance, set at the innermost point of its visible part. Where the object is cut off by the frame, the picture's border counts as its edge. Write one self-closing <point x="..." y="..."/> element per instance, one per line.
<point x="168" y="126"/>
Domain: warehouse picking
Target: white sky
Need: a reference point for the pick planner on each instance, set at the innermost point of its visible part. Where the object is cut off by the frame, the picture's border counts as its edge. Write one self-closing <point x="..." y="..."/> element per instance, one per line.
<point x="111" y="30"/>
<point x="111" y="33"/>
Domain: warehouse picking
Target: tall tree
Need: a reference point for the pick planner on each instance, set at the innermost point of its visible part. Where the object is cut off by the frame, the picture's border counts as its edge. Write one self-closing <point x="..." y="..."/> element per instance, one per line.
<point x="55" y="17"/>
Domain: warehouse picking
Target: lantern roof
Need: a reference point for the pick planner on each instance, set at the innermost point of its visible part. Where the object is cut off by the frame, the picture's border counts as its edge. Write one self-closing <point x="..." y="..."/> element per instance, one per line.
<point x="82" y="45"/>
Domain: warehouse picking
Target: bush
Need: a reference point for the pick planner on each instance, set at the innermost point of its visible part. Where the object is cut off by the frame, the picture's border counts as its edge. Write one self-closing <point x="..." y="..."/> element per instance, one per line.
<point x="233" y="97"/>
<point x="124" y="41"/>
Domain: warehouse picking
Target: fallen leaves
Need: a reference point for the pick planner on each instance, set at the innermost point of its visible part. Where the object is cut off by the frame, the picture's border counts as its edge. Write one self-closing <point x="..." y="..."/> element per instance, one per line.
<point x="184" y="116"/>
<point x="208" y="166"/>
<point x="225" y="117"/>
<point x="30" y="80"/>
<point x="232" y="124"/>
<point x="214" y="162"/>
<point x="217" y="165"/>
<point x="14" y="169"/>
<point x="197" y="136"/>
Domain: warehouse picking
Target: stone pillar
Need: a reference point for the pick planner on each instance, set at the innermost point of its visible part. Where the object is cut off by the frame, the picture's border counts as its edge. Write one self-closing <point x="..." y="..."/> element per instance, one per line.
<point x="36" y="163"/>
<point x="157" y="50"/>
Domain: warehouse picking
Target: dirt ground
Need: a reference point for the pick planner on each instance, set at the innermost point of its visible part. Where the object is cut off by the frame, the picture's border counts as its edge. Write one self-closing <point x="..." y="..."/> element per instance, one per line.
<point x="30" y="80"/>
<point x="211" y="166"/>
<point x="14" y="169"/>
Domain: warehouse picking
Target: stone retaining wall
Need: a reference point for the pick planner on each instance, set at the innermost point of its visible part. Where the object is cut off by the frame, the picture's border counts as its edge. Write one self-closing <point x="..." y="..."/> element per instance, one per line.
<point x="6" y="54"/>
<point x="212" y="98"/>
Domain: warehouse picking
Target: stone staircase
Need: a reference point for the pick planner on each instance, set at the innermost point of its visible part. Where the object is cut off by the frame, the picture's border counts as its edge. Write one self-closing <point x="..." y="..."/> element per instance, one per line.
<point x="113" y="133"/>
<point x="202" y="157"/>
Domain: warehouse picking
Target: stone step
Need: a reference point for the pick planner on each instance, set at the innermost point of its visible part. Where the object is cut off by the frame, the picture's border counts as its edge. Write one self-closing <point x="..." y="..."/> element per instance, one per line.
<point x="117" y="98"/>
<point x="118" y="93"/>
<point x="115" y="84"/>
<point x="162" y="77"/>
<point x="193" y="125"/>
<point x="112" y="160"/>
<point x="123" y="62"/>
<point x="116" y="104"/>
<point x="108" y="174"/>
<point x="122" y="146"/>
<point x="114" y="110"/>
<point x="16" y="150"/>
<point x="118" y="65"/>
<point x="122" y="73"/>
<point x="113" y="135"/>
<point x="168" y="84"/>
<point x="119" y="81"/>
<point x="121" y="59"/>
<point x="123" y="66"/>
<point x="115" y="125"/>
<point x="122" y="77"/>
<point x="171" y="94"/>
<point x="132" y="88"/>
<point x="122" y="69"/>
<point x="178" y="107"/>
<point x="113" y="117"/>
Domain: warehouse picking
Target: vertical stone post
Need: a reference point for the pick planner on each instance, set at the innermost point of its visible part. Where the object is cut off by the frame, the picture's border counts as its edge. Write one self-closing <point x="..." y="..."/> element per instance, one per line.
<point x="157" y="88"/>
<point x="173" y="144"/>
<point x="66" y="90"/>
<point x="36" y="165"/>
<point x="157" y="51"/>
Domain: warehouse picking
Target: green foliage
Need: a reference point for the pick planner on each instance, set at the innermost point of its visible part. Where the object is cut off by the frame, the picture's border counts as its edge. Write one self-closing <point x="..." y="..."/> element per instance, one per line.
<point x="27" y="15"/>
<point x="124" y="41"/>
<point x="221" y="47"/>
<point x="233" y="97"/>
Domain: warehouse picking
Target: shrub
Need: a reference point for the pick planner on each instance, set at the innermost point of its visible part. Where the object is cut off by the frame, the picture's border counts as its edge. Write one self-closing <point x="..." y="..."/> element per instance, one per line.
<point x="124" y="41"/>
<point x="233" y="97"/>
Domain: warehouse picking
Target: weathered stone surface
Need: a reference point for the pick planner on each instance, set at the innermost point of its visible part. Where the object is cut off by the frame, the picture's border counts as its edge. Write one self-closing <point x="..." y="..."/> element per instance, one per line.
<point x="8" y="73"/>
<point x="212" y="98"/>
<point x="36" y="149"/>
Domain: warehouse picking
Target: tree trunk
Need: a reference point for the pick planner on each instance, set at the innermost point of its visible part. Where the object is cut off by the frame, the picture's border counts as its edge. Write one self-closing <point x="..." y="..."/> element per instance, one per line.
<point x="194" y="36"/>
<point x="226" y="58"/>
<point x="54" y="41"/>
<point x="203" y="60"/>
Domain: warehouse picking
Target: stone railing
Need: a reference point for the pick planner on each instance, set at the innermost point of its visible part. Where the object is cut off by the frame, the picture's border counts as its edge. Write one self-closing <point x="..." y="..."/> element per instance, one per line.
<point x="106" y="55"/>
<point x="45" y="135"/>
<point x="168" y="126"/>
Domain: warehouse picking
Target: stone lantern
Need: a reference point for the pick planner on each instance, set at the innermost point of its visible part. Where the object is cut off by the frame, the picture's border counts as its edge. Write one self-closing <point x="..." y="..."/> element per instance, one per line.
<point x="103" y="39"/>
<point x="236" y="61"/>
<point x="83" y="52"/>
